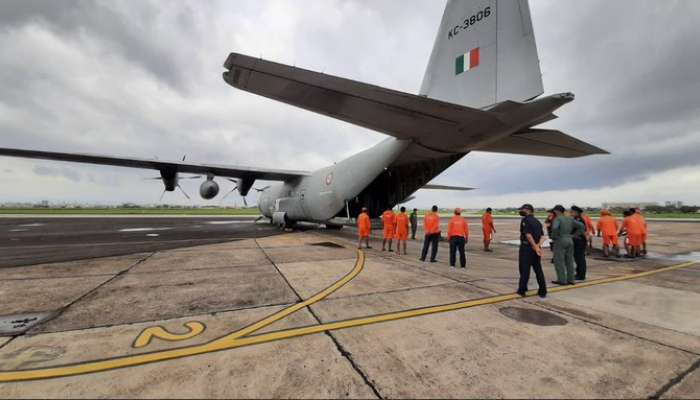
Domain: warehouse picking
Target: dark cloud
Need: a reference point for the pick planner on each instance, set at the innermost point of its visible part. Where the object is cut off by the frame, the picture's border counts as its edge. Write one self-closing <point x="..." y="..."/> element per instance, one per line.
<point x="143" y="79"/>
<point x="133" y="29"/>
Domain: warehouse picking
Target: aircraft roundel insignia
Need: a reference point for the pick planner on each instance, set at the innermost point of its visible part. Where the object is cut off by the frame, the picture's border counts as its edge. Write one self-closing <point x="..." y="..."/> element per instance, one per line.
<point x="329" y="179"/>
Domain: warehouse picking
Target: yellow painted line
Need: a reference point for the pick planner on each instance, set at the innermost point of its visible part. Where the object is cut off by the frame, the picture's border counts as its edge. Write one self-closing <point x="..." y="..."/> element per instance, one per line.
<point x="145" y="337"/>
<point x="359" y="265"/>
<point x="227" y="342"/>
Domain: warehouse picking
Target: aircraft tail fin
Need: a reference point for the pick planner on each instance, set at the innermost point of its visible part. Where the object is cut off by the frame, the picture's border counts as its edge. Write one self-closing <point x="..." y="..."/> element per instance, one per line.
<point x="484" y="53"/>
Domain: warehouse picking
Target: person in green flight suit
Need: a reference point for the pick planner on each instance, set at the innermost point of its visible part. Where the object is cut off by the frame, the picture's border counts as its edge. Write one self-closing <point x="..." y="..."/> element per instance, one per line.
<point x="564" y="228"/>
<point x="413" y="218"/>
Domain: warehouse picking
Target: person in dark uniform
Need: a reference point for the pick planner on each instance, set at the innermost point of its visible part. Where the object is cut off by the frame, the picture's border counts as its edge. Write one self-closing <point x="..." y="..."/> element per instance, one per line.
<point x="530" y="254"/>
<point x="580" y="244"/>
<point x="414" y="223"/>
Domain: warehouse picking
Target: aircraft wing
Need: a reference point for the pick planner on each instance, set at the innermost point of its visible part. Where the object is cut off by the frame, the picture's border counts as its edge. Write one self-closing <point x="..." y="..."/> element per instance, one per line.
<point x="446" y="187"/>
<point x="161" y="165"/>
<point x="543" y="142"/>
<point x="398" y="114"/>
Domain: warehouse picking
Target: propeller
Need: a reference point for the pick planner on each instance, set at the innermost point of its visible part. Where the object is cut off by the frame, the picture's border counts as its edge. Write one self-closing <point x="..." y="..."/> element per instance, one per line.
<point x="245" y="201"/>
<point x="226" y="195"/>
<point x="183" y="192"/>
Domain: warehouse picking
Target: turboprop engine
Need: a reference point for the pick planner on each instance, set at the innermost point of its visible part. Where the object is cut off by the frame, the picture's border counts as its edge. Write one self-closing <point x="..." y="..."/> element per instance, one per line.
<point x="209" y="189"/>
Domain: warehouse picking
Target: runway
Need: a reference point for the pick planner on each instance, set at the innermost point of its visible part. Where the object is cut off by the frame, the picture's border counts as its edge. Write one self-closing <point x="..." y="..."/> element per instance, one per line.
<point x="25" y="241"/>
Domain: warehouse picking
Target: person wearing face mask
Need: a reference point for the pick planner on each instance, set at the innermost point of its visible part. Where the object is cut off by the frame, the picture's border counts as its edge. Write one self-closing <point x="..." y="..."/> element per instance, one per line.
<point x="530" y="253"/>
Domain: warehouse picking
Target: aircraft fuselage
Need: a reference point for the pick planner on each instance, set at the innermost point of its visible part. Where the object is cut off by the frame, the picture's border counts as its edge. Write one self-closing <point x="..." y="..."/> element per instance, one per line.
<point x="386" y="174"/>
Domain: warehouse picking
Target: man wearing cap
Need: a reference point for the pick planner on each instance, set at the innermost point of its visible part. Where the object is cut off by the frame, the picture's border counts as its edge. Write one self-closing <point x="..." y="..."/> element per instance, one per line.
<point x="530" y="253"/>
<point x="563" y="229"/>
<point x="431" y="227"/>
<point x="458" y="234"/>
<point x="580" y="238"/>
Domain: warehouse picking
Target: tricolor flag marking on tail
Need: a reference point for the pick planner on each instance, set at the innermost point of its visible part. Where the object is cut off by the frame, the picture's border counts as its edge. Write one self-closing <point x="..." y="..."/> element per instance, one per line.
<point x="467" y="61"/>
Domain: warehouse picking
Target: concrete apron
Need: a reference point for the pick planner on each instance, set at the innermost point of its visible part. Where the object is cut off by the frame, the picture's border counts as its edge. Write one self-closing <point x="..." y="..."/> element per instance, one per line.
<point x="518" y="348"/>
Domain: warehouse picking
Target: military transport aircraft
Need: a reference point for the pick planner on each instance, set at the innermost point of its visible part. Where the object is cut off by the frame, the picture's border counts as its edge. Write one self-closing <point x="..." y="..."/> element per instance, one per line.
<point x="481" y="92"/>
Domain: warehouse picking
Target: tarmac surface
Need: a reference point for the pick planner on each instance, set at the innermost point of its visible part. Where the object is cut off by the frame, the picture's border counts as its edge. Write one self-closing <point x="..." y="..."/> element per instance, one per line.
<point x="25" y="241"/>
<point x="268" y="314"/>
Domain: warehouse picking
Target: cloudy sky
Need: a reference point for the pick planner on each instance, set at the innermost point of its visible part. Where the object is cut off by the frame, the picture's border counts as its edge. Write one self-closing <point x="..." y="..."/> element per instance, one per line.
<point x="143" y="79"/>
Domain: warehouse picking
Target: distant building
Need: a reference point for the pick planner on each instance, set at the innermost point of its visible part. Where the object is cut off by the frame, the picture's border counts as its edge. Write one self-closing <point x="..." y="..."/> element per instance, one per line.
<point x="631" y="204"/>
<point x="675" y="204"/>
<point x="42" y="204"/>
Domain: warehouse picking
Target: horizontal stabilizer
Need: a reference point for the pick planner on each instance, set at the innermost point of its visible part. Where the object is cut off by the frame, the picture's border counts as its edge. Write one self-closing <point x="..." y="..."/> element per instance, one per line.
<point x="446" y="187"/>
<point x="543" y="142"/>
<point x="398" y="114"/>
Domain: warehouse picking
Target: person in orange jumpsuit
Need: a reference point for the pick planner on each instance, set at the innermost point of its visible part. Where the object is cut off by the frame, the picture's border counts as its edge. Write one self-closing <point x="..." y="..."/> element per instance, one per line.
<point x="401" y="231"/>
<point x="458" y="235"/>
<point x="389" y="222"/>
<point x="635" y="233"/>
<point x="487" y="228"/>
<point x="643" y="221"/>
<point x="607" y="229"/>
<point x="431" y="228"/>
<point x="590" y="231"/>
<point x="364" y="228"/>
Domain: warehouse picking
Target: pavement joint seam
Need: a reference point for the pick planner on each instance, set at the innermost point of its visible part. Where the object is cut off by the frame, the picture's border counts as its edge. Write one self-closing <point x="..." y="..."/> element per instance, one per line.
<point x="482" y="288"/>
<point x="571" y="315"/>
<point x="425" y="269"/>
<point x="194" y="269"/>
<point x="405" y="289"/>
<point x="8" y="342"/>
<point x="344" y="353"/>
<point x="676" y="380"/>
<point x="166" y="319"/>
<point x="84" y="295"/>
<point x="55" y="277"/>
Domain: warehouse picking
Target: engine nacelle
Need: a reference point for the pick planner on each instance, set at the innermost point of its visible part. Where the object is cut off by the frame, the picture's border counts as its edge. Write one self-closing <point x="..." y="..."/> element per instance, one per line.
<point x="280" y="219"/>
<point x="209" y="189"/>
<point x="169" y="178"/>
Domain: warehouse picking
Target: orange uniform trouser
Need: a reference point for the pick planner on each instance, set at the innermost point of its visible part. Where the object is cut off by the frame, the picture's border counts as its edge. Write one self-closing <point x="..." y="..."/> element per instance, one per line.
<point x="610" y="240"/>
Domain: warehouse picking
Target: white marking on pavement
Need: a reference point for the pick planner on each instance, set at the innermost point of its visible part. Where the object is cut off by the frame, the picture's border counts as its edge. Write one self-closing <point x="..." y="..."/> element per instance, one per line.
<point x="143" y="229"/>
<point x="32" y="225"/>
<point x="152" y="234"/>
<point x="18" y="230"/>
<point x="228" y="222"/>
